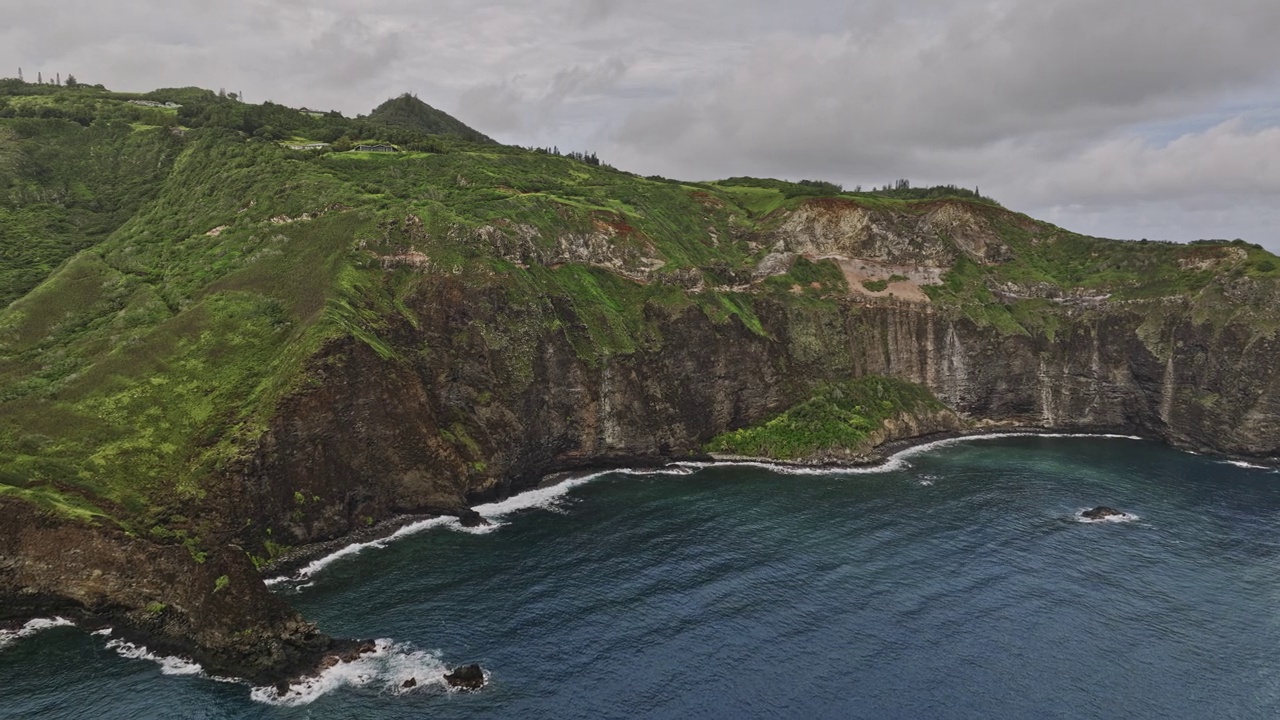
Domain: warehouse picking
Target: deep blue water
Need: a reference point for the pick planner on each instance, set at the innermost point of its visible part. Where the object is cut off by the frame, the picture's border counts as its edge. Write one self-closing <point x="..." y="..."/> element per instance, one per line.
<point x="958" y="585"/>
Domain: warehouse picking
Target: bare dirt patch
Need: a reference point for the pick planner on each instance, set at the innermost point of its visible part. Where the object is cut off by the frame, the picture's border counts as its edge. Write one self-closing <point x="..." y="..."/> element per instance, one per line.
<point x="857" y="271"/>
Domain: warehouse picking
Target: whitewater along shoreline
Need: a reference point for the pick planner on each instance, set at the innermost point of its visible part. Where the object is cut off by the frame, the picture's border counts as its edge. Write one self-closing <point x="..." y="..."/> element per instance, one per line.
<point x="286" y="567"/>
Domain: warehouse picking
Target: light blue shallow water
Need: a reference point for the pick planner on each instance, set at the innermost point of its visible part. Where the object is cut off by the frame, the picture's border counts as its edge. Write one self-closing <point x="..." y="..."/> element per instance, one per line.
<point x="956" y="586"/>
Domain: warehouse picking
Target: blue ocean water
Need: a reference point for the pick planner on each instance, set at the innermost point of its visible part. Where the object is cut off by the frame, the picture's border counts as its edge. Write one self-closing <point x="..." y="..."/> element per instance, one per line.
<point x="956" y="583"/>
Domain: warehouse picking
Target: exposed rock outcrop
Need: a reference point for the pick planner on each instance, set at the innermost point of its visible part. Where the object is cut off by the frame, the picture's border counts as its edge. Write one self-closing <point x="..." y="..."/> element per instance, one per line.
<point x="1102" y="512"/>
<point x="466" y="677"/>
<point x="470" y="397"/>
<point x="214" y="610"/>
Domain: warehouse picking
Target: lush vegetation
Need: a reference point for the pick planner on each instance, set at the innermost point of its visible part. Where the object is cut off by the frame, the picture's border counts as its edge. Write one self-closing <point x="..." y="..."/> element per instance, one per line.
<point x="900" y="190"/>
<point x="839" y="418"/>
<point x="407" y="111"/>
<point x="166" y="274"/>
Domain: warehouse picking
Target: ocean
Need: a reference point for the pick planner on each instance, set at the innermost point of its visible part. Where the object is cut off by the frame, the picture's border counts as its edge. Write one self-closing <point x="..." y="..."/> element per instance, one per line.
<point x="957" y="581"/>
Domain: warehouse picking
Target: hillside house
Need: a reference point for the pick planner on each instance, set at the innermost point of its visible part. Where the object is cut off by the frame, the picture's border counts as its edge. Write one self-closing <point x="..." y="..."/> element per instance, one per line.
<point x="376" y="148"/>
<point x="309" y="146"/>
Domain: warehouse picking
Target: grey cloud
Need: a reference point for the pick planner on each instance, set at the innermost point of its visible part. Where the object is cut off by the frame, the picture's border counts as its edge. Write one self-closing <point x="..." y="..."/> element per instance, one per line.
<point x="980" y="75"/>
<point x="1106" y="115"/>
<point x="497" y="107"/>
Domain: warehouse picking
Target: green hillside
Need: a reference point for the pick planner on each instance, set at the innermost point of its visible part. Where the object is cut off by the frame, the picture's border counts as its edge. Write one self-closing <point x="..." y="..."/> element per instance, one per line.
<point x="407" y="111"/>
<point x="168" y="274"/>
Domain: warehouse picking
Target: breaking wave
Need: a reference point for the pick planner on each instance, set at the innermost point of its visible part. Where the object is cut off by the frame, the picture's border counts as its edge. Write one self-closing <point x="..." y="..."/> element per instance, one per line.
<point x="169" y="664"/>
<point x="552" y="497"/>
<point x="8" y="637"/>
<point x="387" y="669"/>
<point x="1247" y="465"/>
<point x="544" y="498"/>
<point x="319" y="564"/>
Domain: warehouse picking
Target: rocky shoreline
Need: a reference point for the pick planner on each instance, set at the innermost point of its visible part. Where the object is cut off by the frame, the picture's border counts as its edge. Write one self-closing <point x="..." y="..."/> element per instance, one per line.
<point x="299" y="557"/>
<point x="314" y="652"/>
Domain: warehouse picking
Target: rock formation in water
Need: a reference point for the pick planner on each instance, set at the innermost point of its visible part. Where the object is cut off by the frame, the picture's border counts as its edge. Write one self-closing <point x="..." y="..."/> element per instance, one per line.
<point x="234" y="349"/>
<point x="1102" y="512"/>
<point x="466" y="677"/>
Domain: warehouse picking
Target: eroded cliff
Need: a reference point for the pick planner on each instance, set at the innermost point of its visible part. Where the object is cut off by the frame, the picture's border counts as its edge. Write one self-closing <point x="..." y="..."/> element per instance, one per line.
<point x="239" y="370"/>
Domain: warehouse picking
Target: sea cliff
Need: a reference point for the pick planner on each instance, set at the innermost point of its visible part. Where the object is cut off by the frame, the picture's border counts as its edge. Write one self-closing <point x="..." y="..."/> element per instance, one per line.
<point x="258" y="349"/>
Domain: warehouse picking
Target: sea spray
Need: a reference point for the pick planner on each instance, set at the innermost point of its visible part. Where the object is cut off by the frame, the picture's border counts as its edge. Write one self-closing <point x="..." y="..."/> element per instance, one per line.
<point x="387" y="669"/>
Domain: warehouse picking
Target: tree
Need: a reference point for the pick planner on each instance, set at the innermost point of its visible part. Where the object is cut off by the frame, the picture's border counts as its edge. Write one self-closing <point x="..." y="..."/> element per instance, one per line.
<point x="71" y="81"/>
<point x="39" y="78"/>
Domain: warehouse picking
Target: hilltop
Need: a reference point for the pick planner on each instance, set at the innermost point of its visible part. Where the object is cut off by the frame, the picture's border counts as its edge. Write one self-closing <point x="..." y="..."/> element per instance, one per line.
<point x="408" y="111"/>
<point x="215" y="347"/>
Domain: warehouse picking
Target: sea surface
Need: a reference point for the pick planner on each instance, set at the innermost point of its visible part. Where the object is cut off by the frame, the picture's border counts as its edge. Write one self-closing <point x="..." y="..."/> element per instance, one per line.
<point x="956" y="582"/>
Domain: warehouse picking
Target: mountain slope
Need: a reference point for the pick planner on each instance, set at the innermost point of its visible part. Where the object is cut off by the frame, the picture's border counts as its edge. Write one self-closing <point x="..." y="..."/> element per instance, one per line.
<point x="278" y="347"/>
<point x="408" y="111"/>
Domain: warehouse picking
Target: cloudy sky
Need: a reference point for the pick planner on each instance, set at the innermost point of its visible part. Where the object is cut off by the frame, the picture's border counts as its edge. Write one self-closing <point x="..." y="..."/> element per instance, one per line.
<point x="1124" y="118"/>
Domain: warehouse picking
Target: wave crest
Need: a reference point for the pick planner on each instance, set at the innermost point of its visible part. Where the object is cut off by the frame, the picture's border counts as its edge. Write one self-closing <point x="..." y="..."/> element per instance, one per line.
<point x="386" y="669"/>
<point x="169" y="664"/>
<point x="8" y="637"/>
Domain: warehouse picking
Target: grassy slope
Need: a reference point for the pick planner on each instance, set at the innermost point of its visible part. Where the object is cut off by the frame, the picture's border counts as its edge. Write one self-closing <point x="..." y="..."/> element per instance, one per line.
<point x="838" y="417"/>
<point x="409" y="111"/>
<point x="190" y="290"/>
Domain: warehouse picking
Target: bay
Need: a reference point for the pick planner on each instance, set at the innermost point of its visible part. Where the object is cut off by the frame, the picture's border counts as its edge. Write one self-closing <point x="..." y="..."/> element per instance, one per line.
<point x="956" y="583"/>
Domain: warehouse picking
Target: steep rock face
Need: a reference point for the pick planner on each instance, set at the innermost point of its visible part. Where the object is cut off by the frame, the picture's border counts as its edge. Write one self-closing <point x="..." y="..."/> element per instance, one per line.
<point x="934" y="238"/>
<point x="459" y="423"/>
<point x="216" y="611"/>
<point x="483" y="400"/>
<point x="467" y="395"/>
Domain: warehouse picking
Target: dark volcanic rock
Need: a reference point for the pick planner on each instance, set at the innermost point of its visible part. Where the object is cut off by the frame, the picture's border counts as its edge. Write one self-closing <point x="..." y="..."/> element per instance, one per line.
<point x="1102" y="512"/>
<point x="410" y="683"/>
<point x="466" y="677"/>
<point x="215" y="610"/>
<point x="354" y="650"/>
<point x="470" y="518"/>
<point x="512" y="392"/>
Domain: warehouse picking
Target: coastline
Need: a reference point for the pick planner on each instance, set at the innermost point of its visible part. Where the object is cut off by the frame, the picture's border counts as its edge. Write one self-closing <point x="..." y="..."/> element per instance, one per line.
<point x="296" y="568"/>
<point x="287" y="567"/>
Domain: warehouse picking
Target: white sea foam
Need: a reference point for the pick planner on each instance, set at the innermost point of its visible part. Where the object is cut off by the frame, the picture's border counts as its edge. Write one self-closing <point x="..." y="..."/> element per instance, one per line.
<point x="897" y="461"/>
<point x="317" y="565"/>
<point x="551" y="497"/>
<point x="387" y="669"/>
<point x="929" y="446"/>
<point x="543" y="498"/>
<point x="1247" y="465"/>
<point x="169" y="664"/>
<point x="8" y="637"/>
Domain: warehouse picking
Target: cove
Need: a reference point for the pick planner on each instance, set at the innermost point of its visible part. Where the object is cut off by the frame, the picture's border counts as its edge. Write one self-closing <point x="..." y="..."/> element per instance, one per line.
<point x="957" y="582"/>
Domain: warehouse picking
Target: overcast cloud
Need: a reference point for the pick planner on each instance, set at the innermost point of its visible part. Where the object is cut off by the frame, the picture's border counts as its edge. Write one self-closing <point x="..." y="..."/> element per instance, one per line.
<point x="1141" y="118"/>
